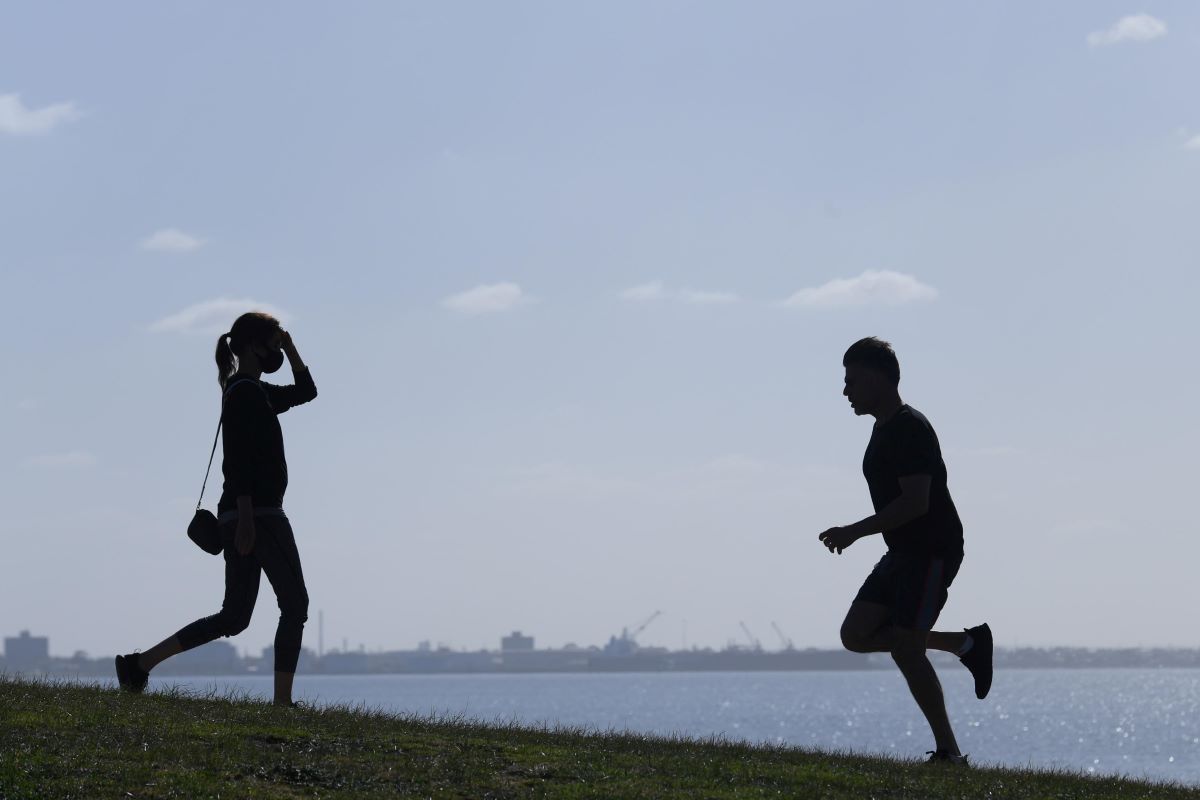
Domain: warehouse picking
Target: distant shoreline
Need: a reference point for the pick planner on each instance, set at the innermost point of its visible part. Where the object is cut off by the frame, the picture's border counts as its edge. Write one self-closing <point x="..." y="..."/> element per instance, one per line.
<point x="221" y="659"/>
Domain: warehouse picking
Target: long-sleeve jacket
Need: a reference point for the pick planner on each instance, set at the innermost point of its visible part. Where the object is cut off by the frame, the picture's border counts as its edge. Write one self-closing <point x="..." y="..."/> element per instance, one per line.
<point x="252" y="443"/>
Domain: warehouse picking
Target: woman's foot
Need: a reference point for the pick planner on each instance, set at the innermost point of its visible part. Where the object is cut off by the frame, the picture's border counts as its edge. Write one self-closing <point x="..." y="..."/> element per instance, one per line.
<point x="946" y="757"/>
<point x="130" y="675"/>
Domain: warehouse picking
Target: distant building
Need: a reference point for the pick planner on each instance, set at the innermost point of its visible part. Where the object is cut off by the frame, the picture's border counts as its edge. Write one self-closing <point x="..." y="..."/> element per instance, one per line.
<point x="338" y="662"/>
<point x="217" y="657"/>
<point x="515" y="642"/>
<point x="26" y="652"/>
<point x="308" y="661"/>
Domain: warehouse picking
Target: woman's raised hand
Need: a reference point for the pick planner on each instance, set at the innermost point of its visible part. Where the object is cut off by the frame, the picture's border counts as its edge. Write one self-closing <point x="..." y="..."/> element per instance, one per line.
<point x="289" y="349"/>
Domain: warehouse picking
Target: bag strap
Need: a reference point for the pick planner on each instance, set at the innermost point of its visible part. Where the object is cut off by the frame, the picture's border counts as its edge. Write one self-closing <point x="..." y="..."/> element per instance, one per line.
<point x="220" y="421"/>
<point x="211" y="455"/>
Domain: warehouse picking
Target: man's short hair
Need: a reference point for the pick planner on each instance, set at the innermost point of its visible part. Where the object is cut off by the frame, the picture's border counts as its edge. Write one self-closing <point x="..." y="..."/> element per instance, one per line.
<point x="875" y="353"/>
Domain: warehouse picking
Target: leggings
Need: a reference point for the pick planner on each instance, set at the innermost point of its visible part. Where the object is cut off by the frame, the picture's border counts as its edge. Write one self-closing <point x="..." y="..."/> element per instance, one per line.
<point x="275" y="554"/>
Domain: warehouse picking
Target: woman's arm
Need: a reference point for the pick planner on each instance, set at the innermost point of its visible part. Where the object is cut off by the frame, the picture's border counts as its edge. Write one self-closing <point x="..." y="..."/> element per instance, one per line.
<point x="289" y="349"/>
<point x="302" y="391"/>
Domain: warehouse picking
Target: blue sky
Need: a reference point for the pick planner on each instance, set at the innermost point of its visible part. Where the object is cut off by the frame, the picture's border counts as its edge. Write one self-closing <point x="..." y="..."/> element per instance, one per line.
<point x="575" y="281"/>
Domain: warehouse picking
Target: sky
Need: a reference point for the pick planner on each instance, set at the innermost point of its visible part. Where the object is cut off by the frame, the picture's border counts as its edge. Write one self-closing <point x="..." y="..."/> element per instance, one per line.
<point x="574" y="282"/>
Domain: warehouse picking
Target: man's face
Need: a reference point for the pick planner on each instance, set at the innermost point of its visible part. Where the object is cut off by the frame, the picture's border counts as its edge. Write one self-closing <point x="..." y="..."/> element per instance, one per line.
<point x="864" y="388"/>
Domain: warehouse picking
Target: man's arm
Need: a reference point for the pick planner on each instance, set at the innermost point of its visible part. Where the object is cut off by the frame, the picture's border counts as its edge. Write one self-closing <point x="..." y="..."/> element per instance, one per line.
<point x="912" y="503"/>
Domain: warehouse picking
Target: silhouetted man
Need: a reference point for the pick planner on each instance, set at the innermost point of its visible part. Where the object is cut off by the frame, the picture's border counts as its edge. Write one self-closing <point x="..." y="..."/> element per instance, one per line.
<point x="897" y="605"/>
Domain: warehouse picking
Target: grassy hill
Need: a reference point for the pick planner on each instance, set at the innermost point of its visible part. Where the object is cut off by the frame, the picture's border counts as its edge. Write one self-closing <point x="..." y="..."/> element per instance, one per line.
<point x="64" y="740"/>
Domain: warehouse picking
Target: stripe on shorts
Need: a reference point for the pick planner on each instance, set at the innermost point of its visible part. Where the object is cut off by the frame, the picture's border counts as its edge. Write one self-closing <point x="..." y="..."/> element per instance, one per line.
<point x="930" y="594"/>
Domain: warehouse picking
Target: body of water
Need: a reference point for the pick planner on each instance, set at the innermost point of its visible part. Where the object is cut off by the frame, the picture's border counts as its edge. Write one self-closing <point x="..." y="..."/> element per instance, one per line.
<point x="1142" y="723"/>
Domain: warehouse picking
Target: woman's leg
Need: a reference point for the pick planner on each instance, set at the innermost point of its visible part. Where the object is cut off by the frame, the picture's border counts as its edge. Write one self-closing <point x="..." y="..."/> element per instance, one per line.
<point x="159" y="653"/>
<point x="241" y="591"/>
<point x="276" y="551"/>
<point x="283" y="688"/>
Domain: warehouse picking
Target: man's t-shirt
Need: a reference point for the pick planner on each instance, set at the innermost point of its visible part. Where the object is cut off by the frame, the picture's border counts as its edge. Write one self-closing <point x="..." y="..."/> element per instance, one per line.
<point x="906" y="445"/>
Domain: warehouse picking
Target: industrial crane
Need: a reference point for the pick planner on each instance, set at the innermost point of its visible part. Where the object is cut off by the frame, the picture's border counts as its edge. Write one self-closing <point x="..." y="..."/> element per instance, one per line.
<point x="787" y="643"/>
<point x="641" y="627"/>
<point x="754" y="643"/>
<point x="626" y="643"/>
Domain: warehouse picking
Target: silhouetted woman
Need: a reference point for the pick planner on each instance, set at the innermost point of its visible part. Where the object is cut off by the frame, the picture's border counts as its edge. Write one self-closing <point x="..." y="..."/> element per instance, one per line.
<point x="255" y="532"/>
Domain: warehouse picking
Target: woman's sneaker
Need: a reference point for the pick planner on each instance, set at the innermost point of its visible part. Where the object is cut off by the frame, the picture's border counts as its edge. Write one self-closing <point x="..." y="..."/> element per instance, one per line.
<point x="979" y="659"/>
<point x="944" y="757"/>
<point x="130" y="676"/>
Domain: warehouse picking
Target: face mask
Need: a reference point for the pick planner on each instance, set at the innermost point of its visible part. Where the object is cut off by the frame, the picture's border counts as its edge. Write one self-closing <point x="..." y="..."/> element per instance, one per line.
<point x="272" y="361"/>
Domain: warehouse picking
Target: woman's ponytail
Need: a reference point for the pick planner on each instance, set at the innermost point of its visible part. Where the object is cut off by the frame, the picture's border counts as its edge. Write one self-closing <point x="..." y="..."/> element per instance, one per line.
<point x="225" y="359"/>
<point x="250" y="328"/>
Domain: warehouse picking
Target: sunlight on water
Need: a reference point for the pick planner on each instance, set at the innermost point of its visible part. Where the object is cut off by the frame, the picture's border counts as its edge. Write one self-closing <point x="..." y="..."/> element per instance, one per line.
<point x="1135" y="722"/>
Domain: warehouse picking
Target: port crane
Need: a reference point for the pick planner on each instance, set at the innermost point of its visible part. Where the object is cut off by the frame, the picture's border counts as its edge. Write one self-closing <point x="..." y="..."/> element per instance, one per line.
<point x="755" y="644"/>
<point x="787" y="642"/>
<point x="645" y="624"/>
<point x="626" y="643"/>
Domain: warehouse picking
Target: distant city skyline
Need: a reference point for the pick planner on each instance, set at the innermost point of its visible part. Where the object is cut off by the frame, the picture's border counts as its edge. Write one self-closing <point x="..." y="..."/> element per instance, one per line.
<point x="575" y="282"/>
<point x="518" y="654"/>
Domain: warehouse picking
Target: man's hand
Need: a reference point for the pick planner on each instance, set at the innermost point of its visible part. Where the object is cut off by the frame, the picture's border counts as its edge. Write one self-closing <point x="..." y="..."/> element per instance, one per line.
<point x="839" y="538"/>
<point x="243" y="540"/>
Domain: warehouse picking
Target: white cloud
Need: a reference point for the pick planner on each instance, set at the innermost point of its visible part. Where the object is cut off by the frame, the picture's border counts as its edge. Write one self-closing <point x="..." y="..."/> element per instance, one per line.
<point x="1091" y="525"/>
<point x="646" y="291"/>
<point x="873" y="287"/>
<point x="736" y="464"/>
<point x="71" y="460"/>
<point x="717" y="480"/>
<point x="1193" y="143"/>
<point x="1134" y="28"/>
<point x="18" y="120"/>
<point x="171" y="240"/>
<point x="994" y="451"/>
<point x="214" y="317"/>
<point x="699" y="298"/>
<point x="999" y="450"/>
<point x="571" y="480"/>
<point x="487" y="299"/>
<point x="655" y="290"/>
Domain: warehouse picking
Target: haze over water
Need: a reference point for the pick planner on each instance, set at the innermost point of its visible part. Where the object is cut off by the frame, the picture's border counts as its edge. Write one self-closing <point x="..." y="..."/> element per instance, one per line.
<point x="1130" y="721"/>
<point x="574" y="281"/>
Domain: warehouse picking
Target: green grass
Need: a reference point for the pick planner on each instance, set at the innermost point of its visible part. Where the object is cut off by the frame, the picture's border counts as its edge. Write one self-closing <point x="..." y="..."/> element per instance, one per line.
<point x="67" y="740"/>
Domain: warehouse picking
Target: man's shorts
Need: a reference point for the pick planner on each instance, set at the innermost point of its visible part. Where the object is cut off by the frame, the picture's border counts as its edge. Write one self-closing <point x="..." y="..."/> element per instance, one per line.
<point x="914" y="587"/>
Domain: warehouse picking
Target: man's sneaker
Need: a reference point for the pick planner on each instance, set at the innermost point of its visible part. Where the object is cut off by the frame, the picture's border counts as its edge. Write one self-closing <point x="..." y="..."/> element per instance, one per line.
<point x="131" y="677"/>
<point x="944" y="757"/>
<point x="979" y="659"/>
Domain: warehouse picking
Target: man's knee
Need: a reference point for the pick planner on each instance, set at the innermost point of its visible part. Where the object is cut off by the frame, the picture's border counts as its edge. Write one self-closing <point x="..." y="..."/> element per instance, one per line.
<point x="854" y="640"/>
<point x="908" y="646"/>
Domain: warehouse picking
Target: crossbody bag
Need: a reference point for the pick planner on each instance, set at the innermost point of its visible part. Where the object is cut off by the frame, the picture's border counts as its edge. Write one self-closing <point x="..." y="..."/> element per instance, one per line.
<point x="204" y="529"/>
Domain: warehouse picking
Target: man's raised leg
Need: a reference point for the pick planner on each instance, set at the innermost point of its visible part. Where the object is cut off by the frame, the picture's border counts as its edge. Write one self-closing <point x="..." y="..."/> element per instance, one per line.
<point x="868" y="628"/>
<point x="973" y="648"/>
<point x="946" y="642"/>
<point x="909" y="655"/>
